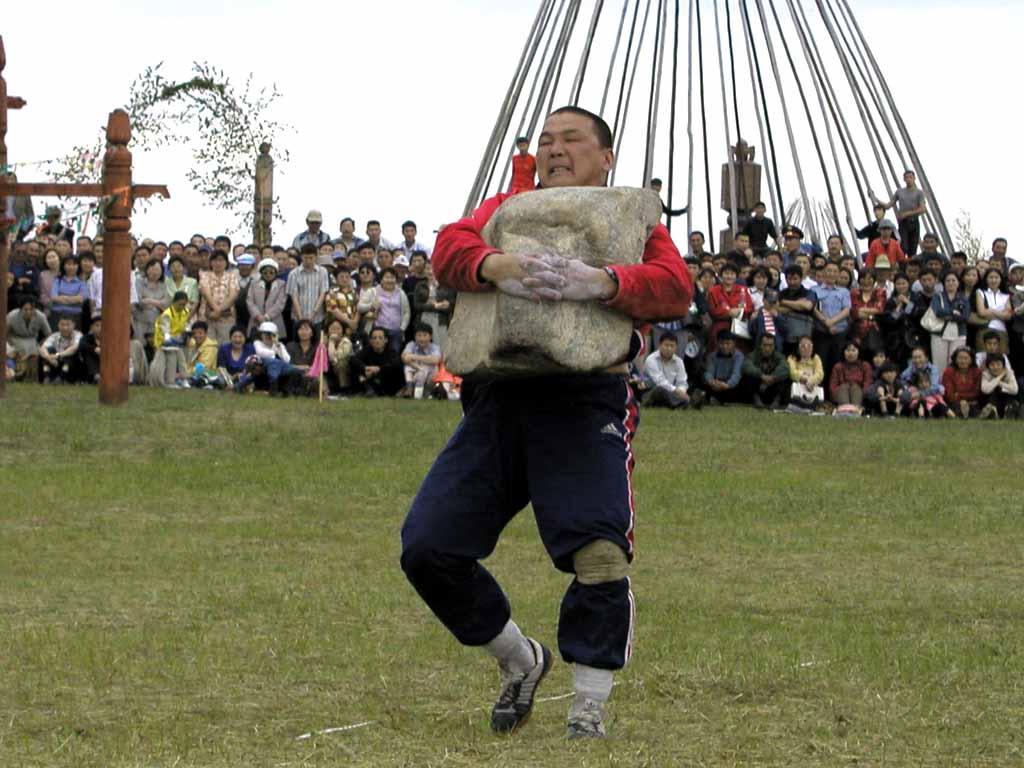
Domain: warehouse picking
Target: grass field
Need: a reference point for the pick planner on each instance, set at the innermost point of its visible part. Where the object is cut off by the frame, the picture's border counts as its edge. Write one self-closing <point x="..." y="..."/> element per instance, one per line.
<point x="197" y="579"/>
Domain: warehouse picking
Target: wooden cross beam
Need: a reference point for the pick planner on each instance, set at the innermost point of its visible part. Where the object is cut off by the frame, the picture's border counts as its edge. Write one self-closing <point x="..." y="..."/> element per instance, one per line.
<point x="119" y="195"/>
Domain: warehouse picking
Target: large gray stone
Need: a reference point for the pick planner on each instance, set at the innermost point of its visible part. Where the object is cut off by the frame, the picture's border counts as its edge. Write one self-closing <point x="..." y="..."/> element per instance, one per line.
<point x="502" y="335"/>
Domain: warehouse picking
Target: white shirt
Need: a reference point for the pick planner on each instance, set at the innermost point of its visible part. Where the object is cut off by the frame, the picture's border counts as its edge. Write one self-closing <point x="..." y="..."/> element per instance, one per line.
<point x="96" y="290"/>
<point x="666" y="374"/>
<point x="996" y="300"/>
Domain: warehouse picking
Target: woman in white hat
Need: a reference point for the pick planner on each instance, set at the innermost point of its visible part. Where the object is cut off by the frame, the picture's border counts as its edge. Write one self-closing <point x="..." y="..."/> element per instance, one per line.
<point x="266" y="298"/>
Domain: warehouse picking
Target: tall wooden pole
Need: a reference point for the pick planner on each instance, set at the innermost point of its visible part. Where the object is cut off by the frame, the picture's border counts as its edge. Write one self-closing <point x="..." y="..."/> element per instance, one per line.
<point x="117" y="189"/>
<point x="3" y="225"/>
<point x="264" y="197"/>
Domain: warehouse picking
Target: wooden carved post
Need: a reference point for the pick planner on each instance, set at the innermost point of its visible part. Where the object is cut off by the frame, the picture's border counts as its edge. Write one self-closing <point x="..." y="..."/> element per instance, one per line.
<point x="264" y="210"/>
<point x="117" y="189"/>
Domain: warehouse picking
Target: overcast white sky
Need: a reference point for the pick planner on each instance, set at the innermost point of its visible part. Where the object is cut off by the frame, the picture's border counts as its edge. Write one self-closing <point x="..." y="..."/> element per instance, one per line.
<point x="393" y="101"/>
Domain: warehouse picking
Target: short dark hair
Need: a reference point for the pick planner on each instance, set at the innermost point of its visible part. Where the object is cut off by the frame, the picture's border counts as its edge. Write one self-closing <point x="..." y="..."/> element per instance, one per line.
<point x="371" y="222"/>
<point x="998" y="240"/>
<point x="725" y="335"/>
<point x="235" y="329"/>
<point x="220" y="239"/>
<point x="668" y="336"/>
<point x="347" y="218"/>
<point x="86" y="255"/>
<point x="994" y="358"/>
<point x="304" y="322"/>
<point x="878" y="207"/>
<point x="366" y="245"/>
<point x="409" y="223"/>
<point x="793" y="269"/>
<point x="958" y="255"/>
<point x="175" y="259"/>
<point x="521" y="139"/>
<point x="697" y="232"/>
<point x="729" y="266"/>
<point x="989" y="335"/>
<point x="218" y="254"/>
<point x="388" y="271"/>
<point x="422" y="327"/>
<point x="179" y="296"/>
<point x="657" y="181"/>
<point x="414" y="254"/>
<point x="760" y="204"/>
<point x="604" y="133"/>
<point x="199" y="323"/>
<point x="382" y="330"/>
<point x="309" y="248"/>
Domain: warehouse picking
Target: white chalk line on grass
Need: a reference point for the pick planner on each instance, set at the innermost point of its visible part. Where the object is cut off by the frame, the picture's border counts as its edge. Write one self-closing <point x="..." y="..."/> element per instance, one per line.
<point x="369" y="723"/>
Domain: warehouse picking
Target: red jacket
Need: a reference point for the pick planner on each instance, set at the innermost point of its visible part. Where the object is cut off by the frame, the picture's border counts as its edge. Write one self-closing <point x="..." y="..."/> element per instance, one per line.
<point x="845" y="373"/>
<point x="959" y="386"/>
<point x="659" y="287"/>
<point x="524" y="169"/>
<point x="893" y="252"/>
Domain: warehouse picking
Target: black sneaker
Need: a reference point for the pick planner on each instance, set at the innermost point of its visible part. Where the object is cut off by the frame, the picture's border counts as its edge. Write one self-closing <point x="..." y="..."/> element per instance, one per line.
<point x="515" y="701"/>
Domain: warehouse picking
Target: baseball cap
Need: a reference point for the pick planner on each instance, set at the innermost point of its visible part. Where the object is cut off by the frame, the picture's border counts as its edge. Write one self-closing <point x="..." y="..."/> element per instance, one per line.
<point x="246" y="259"/>
<point x="886" y="224"/>
<point x="402" y="261"/>
<point x="315" y="216"/>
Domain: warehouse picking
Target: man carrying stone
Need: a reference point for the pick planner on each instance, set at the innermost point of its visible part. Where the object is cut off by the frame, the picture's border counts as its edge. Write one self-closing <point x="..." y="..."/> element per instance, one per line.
<point x="563" y="443"/>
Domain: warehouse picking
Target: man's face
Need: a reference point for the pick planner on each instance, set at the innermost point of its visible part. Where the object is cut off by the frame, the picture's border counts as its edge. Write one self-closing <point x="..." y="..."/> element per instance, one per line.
<point x="693" y="269"/>
<point x="385" y="259"/>
<point x="999" y="248"/>
<point x="423" y="338"/>
<point x="929" y="245"/>
<point x="351" y="261"/>
<point x="879" y="213"/>
<point x="199" y="334"/>
<point x="767" y="345"/>
<point x="667" y="348"/>
<point x="347" y="227"/>
<point x="176" y="249"/>
<point x="656" y="186"/>
<point x="197" y="240"/>
<point x="326" y="249"/>
<point x="928" y="282"/>
<point x="831" y="273"/>
<point x="759" y="211"/>
<point x="835" y="247"/>
<point x="366" y="255"/>
<point x="909" y="179"/>
<point x="523" y="147"/>
<point x="804" y="263"/>
<point x="742" y="242"/>
<point x="378" y="341"/>
<point x="792" y="279"/>
<point x="180" y="305"/>
<point x="991" y="346"/>
<point x="570" y="155"/>
<point x="417" y="265"/>
<point x="696" y="242"/>
<point x="792" y="244"/>
<point x="995" y="368"/>
<point x="409" y="233"/>
<point x="308" y="260"/>
<point x="728" y="346"/>
<point x="774" y="260"/>
<point x="373" y="232"/>
<point x="957" y="264"/>
<point x="63" y="247"/>
<point x="313" y="226"/>
<point x="33" y="250"/>
<point x="65" y="325"/>
<point x="913" y="270"/>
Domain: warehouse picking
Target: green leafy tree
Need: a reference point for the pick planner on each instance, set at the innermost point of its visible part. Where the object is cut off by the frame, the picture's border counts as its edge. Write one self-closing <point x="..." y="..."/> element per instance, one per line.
<point x="966" y="238"/>
<point x="221" y="124"/>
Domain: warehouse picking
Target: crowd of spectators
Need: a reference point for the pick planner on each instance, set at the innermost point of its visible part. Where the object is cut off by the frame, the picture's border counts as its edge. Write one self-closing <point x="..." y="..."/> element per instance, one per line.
<point x="775" y="322"/>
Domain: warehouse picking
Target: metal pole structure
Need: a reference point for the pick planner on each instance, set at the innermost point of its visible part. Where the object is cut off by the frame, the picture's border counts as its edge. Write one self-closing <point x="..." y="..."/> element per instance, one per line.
<point x="915" y="158"/>
<point x="117" y="188"/>
<point x="734" y="214"/>
<point x="689" y="124"/>
<point x="772" y="197"/>
<point x="629" y="91"/>
<point x="615" y="54"/>
<point x="652" y="130"/>
<point x="581" y="73"/>
<point x="497" y="132"/>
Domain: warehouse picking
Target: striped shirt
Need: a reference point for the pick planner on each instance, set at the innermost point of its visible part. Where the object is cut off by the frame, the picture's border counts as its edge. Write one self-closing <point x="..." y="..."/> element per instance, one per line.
<point x="306" y="286"/>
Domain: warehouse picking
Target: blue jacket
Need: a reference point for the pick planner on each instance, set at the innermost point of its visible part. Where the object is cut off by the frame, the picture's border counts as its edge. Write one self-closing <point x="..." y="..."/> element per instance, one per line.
<point x="944" y="309"/>
<point x="727" y="369"/>
<point x="934" y="376"/>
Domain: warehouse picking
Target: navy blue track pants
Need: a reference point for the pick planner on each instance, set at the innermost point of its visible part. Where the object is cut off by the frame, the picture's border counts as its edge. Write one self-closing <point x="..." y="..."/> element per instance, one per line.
<point x="563" y="443"/>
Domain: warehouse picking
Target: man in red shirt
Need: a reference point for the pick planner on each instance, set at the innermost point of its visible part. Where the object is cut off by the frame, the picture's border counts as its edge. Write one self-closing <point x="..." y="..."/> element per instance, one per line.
<point x="563" y="443"/>
<point x="524" y="168"/>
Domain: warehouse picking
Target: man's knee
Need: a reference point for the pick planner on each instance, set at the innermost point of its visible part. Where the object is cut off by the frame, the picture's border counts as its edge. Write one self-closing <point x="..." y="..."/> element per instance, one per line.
<point x="599" y="562"/>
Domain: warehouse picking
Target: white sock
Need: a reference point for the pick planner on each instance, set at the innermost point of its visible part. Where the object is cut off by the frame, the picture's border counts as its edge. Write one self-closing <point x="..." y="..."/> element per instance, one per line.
<point x="591" y="683"/>
<point x="512" y="650"/>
